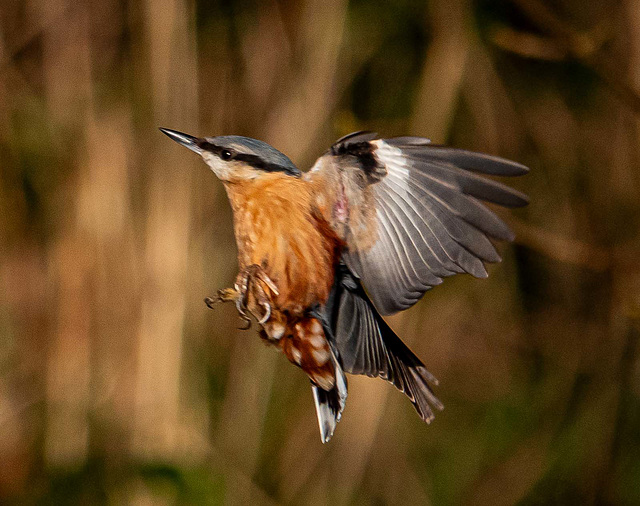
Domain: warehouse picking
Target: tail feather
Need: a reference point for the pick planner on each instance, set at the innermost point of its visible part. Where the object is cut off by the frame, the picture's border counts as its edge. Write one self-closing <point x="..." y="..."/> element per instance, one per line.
<point x="330" y="403"/>
<point x="366" y="345"/>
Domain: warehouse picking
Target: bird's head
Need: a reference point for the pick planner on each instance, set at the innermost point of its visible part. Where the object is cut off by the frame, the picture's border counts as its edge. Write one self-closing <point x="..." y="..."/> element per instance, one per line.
<point x="236" y="158"/>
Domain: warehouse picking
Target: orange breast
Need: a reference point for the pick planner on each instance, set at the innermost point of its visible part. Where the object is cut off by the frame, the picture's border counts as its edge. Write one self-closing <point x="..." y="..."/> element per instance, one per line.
<point x="276" y="228"/>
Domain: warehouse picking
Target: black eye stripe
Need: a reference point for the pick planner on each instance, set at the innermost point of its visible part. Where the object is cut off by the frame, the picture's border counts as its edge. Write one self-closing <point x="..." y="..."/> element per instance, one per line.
<point x="225" y="154"/>
<point x="254" y="161"/>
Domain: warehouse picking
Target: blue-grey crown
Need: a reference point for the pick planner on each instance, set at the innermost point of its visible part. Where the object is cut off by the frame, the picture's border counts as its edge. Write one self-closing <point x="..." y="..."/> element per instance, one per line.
<point x="256" y="153"/>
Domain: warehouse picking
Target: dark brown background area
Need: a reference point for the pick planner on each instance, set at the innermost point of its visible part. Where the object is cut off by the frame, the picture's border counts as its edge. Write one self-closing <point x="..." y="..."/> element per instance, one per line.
<point x="118" y="386"/>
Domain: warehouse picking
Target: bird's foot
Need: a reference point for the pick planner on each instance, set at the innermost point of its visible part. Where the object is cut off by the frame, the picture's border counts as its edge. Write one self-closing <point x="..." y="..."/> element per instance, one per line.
<point x="246" y="282"/>
<point x="223" y="295"/>
<point x="249" y="295"/>
<point x="249" y="274"/>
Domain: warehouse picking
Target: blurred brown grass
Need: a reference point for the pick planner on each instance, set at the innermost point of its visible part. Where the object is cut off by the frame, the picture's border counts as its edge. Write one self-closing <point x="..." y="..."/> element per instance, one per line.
<point x="118" y="386"/>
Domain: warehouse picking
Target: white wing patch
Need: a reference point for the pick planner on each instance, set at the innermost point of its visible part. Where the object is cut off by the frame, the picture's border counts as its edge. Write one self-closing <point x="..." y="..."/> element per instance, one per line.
<point x="392" y="158"/>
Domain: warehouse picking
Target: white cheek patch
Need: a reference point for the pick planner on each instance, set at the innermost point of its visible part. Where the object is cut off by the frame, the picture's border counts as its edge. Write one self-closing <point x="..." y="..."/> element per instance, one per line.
<point x="215" y="164"/>
<point x="226" y="170"/>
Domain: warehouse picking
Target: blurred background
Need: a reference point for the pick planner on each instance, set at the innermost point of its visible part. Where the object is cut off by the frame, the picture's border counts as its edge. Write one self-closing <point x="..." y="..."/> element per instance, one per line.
<point x="118" y="386"/>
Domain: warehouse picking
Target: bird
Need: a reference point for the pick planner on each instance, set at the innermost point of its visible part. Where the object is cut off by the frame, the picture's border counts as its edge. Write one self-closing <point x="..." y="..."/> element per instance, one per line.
<point x="324" y="254"/>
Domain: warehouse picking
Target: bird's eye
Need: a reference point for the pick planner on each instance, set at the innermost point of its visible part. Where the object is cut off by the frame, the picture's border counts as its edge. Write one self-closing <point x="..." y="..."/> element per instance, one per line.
<point x="226" y="155"/>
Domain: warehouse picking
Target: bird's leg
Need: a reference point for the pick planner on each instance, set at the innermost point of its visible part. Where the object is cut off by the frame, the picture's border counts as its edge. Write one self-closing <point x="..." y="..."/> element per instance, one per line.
<point x="247" y="285"/>
<point x="247" y="279"/>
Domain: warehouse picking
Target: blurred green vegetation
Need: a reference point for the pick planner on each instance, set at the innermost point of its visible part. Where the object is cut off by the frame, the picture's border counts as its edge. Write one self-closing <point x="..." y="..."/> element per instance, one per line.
<point x="117" y="386"/>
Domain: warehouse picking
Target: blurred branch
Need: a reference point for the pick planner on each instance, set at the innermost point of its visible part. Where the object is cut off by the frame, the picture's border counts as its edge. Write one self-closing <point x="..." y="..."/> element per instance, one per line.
<point x="565" y="42"/>
<point x="560" y="248"/>
<point x="170" y="38"/>
<point x="578" y="44"/>
<point x="293" y="124"/>
<point x="28" y="36"/>
<point x="575" y="252"/>
<point x="525" y="44"/>
<point x="443" y="69"/>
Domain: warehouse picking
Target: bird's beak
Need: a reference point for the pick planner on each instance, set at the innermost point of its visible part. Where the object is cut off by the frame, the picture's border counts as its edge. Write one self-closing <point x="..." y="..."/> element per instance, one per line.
<point x="188" y="141"/>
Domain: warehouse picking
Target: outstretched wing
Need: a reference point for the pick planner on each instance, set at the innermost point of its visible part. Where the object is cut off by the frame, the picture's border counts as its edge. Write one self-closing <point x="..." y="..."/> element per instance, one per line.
<point x="410" y="213"/>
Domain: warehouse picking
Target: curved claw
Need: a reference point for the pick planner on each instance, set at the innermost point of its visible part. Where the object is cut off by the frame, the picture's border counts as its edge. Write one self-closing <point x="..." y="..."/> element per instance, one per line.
<point x="241" y="307"/>
<point x="247" y="321"/>
<point x="267" y="313"/>
<point x="267" y="281"/>
<point x="210" y="302"/>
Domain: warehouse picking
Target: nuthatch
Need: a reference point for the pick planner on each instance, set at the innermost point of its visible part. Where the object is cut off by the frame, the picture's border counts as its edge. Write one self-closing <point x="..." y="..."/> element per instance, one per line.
<point x="392" y="216"/>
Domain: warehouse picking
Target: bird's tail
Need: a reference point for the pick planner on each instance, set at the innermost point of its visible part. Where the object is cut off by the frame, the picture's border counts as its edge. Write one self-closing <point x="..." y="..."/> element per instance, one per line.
<point x="330" y="403"/>
<point x="366" y="345"/>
